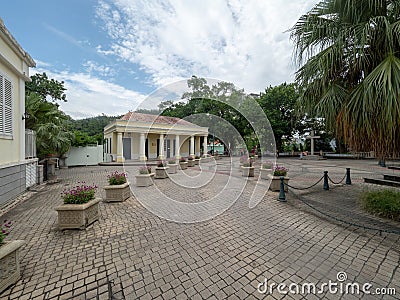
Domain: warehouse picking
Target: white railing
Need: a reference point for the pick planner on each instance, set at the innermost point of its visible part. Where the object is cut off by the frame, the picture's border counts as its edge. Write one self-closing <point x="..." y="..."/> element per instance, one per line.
<point x="30" y="143"/>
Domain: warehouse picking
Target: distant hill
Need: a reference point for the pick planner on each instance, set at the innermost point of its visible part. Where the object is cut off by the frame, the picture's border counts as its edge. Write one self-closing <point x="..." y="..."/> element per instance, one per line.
<point x="92" y="126"/>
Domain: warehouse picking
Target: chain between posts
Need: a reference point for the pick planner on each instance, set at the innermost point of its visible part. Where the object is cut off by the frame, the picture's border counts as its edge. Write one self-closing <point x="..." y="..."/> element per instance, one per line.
<point x="325" y="177"/>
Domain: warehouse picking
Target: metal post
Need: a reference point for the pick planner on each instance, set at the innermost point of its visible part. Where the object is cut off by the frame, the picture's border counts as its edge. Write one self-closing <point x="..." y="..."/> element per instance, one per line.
<point x="326" y="185"/>
<point x="348" y="179"/>
<point x="282" y="196"/>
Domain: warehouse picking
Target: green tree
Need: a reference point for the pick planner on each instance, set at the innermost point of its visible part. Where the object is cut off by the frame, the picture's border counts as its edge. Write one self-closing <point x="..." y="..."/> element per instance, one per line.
<point x="279" y="105"/>
<point x="46" y="88"/>
<point x="50" y="123"/>
<point x="348" y="52"/>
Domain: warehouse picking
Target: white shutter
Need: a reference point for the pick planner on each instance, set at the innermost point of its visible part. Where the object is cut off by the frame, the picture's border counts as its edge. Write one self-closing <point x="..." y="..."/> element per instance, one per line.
<point x="8" y="114"/>
<point x="1" y="104"/>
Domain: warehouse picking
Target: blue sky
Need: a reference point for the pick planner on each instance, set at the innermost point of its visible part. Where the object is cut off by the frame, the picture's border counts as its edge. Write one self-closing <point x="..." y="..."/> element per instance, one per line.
<point x="112" y="54"/>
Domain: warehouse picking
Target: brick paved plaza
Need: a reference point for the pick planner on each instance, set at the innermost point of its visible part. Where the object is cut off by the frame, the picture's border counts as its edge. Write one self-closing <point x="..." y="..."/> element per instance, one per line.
<point x="132" y="253"/>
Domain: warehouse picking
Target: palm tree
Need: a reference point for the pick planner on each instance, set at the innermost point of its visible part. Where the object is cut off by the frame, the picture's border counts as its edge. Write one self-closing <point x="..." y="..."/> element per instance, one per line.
<point x="50" y="125"/>
<point x="349" y="70"/>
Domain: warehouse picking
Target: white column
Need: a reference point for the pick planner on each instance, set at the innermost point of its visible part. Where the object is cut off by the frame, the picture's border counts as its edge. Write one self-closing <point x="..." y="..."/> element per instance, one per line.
<point x="178" y="147"/>
<point x="142" y="150"/>
<point x="191" y="146"/>
<point x="205" y="145"/>
<point x="161" y="150"/>
<point x="120" y="150"/>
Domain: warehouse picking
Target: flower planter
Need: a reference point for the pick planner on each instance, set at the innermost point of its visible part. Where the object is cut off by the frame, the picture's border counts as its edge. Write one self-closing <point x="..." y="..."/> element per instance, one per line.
<point x="247" y="171"/>
<point x="78" y="216"/>
<point x="172" y="168"/>
<point x="196" y="161"/>
<point x="183" y="165"/>
<point x="190" y="163"/>
<point x="276" y="183"/>
<point x="161" y="172"/>
<point x="265" y="172"/>
<point x="144" y="179"/>
<point x="9" y="263"/>
<point x="117" y="193"/>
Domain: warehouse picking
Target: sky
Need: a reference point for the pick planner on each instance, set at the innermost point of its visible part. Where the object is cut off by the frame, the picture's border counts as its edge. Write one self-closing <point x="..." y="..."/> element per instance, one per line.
<point x="113" y="54"/>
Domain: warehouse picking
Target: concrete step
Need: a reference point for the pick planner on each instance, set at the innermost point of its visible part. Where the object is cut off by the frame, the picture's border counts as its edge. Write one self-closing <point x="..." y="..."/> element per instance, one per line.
<point x="391" y="177"/>
<point x="382" y="182"/>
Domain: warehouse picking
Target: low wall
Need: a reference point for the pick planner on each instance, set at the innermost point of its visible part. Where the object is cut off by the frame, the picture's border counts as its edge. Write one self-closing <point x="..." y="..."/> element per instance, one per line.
<point x="84" y="156"/>
<point x="15" y="178"/>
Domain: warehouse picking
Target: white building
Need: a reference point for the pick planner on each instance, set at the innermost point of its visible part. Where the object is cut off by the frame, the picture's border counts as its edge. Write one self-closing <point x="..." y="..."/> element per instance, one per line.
<point x="16" y="172"/>
<point x="138" y="136"/>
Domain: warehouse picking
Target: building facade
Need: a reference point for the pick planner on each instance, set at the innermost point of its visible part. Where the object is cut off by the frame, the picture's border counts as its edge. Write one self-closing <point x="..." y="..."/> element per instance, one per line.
<point x="138" y="136"/>
<point x="16" y="171"/>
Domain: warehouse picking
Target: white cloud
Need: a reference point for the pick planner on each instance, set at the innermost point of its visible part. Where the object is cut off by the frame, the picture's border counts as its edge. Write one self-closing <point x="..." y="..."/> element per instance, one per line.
<point x="90" y="96"/>
<point x="93" y="67"/>
<point x="240" y="41"/>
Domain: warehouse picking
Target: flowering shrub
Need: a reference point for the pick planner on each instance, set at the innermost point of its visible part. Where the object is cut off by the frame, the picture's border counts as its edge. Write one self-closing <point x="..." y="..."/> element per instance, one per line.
<point x="80" y="194"/>
<point x="161" y="164"/>
<point x="172" y="161"/>
<point x="190" y="158"/>
<point x="145" y="170"/>
<point x="280" y="171"/>
<point x="5" y="230"/>
<point x="182" y="159"/>
<point x="116" y="178"/>
<point x="267" y="165"/>
<point x="197" y="157"/>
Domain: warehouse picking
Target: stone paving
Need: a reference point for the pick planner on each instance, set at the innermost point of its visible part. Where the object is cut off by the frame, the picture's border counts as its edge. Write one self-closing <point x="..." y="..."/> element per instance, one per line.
<point x="132" y="253"/>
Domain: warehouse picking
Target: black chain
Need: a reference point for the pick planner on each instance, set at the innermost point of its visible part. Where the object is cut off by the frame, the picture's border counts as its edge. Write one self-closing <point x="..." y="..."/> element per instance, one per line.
<point x="337" y="182"/>
<point x="297" y="188"/>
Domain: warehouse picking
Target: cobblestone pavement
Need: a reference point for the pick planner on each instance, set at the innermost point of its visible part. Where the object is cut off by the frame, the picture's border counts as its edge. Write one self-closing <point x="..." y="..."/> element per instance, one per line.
<point x="132" y="253"/>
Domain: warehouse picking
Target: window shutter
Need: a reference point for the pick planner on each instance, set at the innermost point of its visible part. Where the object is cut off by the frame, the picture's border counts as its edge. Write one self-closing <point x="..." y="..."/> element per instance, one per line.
<point x="8" y="115"/>
<point x="1" y="105"/>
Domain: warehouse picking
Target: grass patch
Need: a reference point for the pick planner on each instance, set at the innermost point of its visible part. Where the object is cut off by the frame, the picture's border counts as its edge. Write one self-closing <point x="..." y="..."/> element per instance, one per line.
<point x="383" y="203"/>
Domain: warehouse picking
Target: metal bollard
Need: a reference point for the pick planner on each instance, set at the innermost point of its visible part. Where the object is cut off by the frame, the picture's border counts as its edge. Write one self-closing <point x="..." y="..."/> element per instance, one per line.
<point x="326" y="184"/>
<point x="282" y="196"/>
<point x="348" y="179"/>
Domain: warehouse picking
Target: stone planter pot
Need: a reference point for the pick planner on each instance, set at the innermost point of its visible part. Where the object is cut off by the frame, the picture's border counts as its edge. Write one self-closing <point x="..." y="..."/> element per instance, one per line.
<point x="172" y="168"/>
<point x="9" y="263"/>
<point x="161" y="172"/>
<point x="78" y="216"/>
<point x="276" y="183"/>
<point x="144" y="179"/>
<point x="265" y="172"/>
<point x="117" y="193"/>
<point x="183" y="165"/>
<point x="196" y="161"/>
<point x="247" y="171"/>
<point x="190" y="163"/>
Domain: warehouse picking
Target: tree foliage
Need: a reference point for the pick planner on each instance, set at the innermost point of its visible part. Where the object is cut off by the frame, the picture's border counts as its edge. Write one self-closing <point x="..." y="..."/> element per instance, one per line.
<point x="348" y="52"/>
<point x="279" y="104"/>
<point x="46" y="88"/>
<point x="52" y="134"/>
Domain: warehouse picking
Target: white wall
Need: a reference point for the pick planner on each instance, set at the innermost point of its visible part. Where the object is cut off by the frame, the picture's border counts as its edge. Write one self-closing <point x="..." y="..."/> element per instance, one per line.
<point x="84" y="156"/>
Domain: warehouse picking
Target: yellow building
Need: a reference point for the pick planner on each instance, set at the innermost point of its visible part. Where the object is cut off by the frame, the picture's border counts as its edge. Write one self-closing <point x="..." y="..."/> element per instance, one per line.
<point x="138" y="136"/>
<point x="14" y="72"/>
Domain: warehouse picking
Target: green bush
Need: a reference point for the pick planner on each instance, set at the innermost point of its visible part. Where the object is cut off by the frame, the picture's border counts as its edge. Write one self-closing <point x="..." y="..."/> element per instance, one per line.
<point x="383" y="203"/>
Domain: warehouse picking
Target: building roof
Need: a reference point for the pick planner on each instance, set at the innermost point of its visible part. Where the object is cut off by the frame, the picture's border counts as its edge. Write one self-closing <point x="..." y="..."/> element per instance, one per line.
<point x="140" y="117"/>
<point x="16" y="47"/>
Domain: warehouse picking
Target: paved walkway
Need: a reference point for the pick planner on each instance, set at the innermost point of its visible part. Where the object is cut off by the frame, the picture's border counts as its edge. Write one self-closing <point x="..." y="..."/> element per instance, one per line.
<point x="132" y="253"/>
